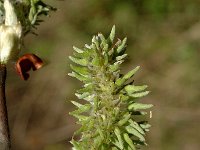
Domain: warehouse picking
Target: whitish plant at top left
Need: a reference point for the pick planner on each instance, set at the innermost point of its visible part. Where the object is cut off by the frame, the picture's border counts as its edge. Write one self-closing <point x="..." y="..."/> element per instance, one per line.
<point x="16" y="20"/>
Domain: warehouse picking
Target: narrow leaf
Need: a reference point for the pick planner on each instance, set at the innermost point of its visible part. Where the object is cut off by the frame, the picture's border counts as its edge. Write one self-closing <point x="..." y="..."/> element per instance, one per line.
<point x="141" y="94"/>
<point x="77" y="104"/>
<point x="78" y="50"/>
<point x="114" y="67"/>
<point x="82" y="62"/>
<point x="124" y="119"/>
<point x="80" y="117"/>
<point x="79" y="76"/>
<point x="101" y="133"/>
<point x="96" y="61"/>
<point x="124" y="97"/>
<point x="114" y="148"/>
<point x="81" y="96"/>
<point x="122" y="47"/>
<point x="145" y="126"/>
<point x="139" y="113"/>
<point x="122" y="80"/>
<point x="95" y="41"/>
<point x="139" y="106"/>
<point x="134" y="132"/>
<point x="118" y="134"/>
<point x="121" y="57"/>
<point x="129" y="141"/>
<point x="132" y="88"/>
<point x="82" y="109"/>
<point x="87" y="46"/>
<point x="76" y="145"/>
<point x="136" y="126"/>
<point x="103" y="44"/>
<point x="87" y="88"/>
<point x="112" y="34"/>
<point x="80" y="70"/>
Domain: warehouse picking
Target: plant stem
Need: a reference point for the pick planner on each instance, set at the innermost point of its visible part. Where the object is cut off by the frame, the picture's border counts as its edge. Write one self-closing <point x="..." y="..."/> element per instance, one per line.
<point x="5" y="143"/>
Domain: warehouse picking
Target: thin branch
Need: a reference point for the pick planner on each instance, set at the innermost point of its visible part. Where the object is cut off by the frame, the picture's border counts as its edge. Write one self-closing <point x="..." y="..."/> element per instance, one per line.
<point x="5" y="143"/>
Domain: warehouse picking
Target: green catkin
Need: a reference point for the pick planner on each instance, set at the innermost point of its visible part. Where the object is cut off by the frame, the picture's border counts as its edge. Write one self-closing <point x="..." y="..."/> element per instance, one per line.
<point x="108" y="118"/>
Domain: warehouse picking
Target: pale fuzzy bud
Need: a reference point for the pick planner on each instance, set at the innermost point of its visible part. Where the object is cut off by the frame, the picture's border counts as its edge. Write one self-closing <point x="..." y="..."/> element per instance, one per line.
<point x="10" y="16"/>
<point x="10" y="34"/>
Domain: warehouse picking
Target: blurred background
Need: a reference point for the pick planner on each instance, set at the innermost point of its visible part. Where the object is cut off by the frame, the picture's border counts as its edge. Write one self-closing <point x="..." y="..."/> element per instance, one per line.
<point x="163" y="38"/>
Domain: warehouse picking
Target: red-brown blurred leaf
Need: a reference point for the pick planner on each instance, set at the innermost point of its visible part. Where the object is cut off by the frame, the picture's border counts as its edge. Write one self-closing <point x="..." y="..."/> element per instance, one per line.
<point x="25" y="63"/>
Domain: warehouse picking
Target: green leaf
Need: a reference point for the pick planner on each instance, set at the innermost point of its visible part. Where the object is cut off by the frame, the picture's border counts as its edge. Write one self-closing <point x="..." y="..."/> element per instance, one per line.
<point x="119" y="62"/>
<point x="124" y="119"/>
<point x="122" y="80"/>
<point x="84" y="95"/>
<point x="141" y="94"/>
<point x="122" y="47"/>
<point x="82" y="62"/>
<point x="105" y="47"/>
<point x="139" y="106"/>
<point x="114" y="67"/>
<point x="87" y="88"/>
<point x="139" y="113"/>
<point x="129" y="148"/>
<point x="135" y="132"/>
<point x="83" y="108"/>
<point x="80" y="117"/>
<point x="121" y="57"/>
<point x="129" y="141"/>
<point x="84" y="55"/>
<point x="131" y="73"/>
<point x="78" y="50"/>
<point x="116" y="143"/>
<point x="111" y="52"/>
<point x="95" y="41"/>
<point x="106" y="59"/>
<point x="112" y="34"/>
<point x="96" y="61"/>
<point x="80" y="70"/>
<point x="118" y="134"/>
<point x="90" y="98"/>
<point x="145" y="126"/>
<point x="76" y="145"/>
<point x="88" y="47"/>
<point x="136" y="126"/>
<point x="79" y="76"/>
<point x="114" y="148"/>
<point x="85" y="126"/>
<point x="77" y="104"/>
<point x="124" y="97"/>
<point x="101" y="133"/>
<point x="97" y="143"/>
<point x="132" y="88"/>
<point x="103" y="44"/>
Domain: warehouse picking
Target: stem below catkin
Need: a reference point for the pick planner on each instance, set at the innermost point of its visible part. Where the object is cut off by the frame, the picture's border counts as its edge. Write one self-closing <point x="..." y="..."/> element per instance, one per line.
<point x="5" y="143"/>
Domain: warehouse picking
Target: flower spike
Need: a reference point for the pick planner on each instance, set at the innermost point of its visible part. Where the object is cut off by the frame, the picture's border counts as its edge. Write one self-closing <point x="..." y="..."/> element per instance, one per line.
<point x="112" y="117"/>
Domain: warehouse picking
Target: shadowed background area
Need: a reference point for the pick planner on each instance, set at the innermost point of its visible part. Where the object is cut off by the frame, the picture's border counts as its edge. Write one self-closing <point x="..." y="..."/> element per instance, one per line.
<point x="163" y="38"/>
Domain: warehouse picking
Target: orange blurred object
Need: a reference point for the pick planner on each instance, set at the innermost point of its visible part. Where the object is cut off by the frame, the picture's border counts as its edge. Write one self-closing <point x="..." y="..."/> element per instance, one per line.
<point x="25" y="63"/>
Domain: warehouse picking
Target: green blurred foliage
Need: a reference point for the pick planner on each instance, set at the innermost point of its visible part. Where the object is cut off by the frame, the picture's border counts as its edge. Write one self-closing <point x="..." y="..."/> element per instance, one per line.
<point x="163" y="38"/>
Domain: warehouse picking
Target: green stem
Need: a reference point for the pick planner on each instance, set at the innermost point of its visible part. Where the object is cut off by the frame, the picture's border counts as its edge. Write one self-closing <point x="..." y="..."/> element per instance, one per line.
<point x="5" y="143"/>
